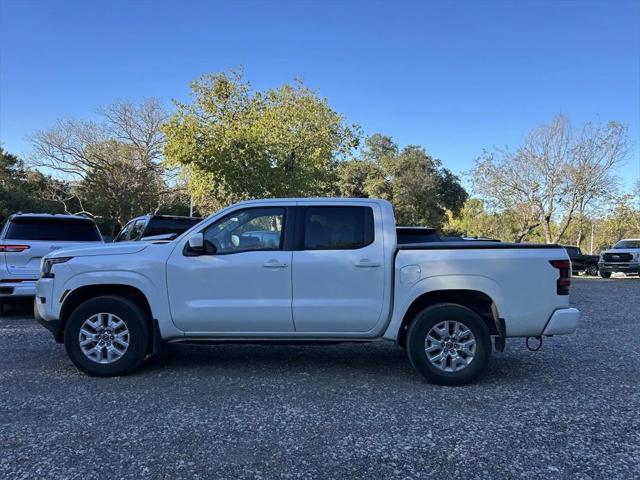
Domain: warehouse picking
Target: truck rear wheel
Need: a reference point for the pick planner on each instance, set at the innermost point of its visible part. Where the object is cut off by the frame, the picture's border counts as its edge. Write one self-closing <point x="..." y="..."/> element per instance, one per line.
<point x="592" y="270"/>
<point x="107" y="336"/>
<point x="449" y="344"/>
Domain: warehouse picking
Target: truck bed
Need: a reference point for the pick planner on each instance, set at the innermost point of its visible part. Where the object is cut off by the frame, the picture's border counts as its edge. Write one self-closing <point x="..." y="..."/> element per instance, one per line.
<point x="473" y="245"/>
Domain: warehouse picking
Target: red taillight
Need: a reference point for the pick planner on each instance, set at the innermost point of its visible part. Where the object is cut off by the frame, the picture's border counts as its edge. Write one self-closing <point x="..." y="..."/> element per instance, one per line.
<point x="564" y="282"/>
<point x="13" y="248"/>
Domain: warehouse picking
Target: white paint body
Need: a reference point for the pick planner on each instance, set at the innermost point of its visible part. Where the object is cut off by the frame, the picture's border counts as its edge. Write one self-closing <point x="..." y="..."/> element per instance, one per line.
<point x="360" y="294"/>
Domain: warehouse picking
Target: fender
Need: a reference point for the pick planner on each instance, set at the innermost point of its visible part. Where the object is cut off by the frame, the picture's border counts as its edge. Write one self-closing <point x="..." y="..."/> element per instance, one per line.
<point x="158" y="299"/>
<point x="407" y="294"/>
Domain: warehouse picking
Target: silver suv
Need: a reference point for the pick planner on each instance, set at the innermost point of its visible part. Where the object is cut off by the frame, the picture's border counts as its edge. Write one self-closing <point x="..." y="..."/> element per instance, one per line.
<point x="27" y="237"/>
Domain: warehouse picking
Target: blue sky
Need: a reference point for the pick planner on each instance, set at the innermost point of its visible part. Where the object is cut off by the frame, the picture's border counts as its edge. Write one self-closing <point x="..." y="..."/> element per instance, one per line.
<point x="455" y="77"/>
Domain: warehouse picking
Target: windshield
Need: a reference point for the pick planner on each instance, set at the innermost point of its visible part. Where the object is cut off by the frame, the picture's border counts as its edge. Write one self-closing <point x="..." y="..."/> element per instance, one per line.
<point x="161" y="226"/>
<point x="56" y="229"/>
<point x="627" y="244"/>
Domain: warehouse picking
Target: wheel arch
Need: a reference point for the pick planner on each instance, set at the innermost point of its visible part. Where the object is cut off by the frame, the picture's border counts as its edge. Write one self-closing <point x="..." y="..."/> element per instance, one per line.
<point x="475" y="300"/>
<point x="76" y="297"/>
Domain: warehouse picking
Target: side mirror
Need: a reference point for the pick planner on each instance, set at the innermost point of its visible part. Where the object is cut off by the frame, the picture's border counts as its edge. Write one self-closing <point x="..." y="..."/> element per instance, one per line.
<point x="196" y="242"/>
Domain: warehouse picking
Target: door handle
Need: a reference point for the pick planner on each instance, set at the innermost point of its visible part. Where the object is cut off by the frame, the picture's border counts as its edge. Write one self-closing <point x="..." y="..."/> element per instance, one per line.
<point x="274" y="264"/>
<point x="366" y="263"/>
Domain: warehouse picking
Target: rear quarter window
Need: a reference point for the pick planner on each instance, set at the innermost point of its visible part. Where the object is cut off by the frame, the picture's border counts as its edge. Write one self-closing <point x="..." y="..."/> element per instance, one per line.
<point x="55" y="229"/>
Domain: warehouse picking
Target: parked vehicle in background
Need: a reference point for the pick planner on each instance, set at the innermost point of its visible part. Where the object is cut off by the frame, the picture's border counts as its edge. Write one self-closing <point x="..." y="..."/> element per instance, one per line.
<point x="304" y="270"/>
<point x="158" y="227"/>
<point x="623" y="257"/>
<point x="27" y="237"/>
<point x="581" y="262"/>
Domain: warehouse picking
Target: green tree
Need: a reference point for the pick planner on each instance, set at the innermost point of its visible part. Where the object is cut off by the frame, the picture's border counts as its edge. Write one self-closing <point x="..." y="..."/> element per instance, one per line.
<point x="22" y="189"/>
<point x="236" y="143"/>
<point x="420" y="188"/>
<point x="476" y="220"/>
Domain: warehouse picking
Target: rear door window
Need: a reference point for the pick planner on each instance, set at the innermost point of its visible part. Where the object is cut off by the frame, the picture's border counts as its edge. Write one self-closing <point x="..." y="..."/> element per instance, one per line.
<point x="338" y="228"/>
<point x="55" y="229"/>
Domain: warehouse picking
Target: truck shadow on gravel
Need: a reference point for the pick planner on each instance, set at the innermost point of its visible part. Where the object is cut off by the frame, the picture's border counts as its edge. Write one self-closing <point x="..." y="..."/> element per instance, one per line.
<point x="380" y="362"/>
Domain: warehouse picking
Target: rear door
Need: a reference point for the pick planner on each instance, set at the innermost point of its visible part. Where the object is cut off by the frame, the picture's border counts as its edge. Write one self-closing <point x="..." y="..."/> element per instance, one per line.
<point x="27" y="239"/>
<point x="338" y="275"/>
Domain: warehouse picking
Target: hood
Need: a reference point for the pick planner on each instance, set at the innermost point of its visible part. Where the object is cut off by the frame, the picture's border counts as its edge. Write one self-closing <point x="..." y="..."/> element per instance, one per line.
<point x="123" y="248"/>
<point x="616" y="251"/>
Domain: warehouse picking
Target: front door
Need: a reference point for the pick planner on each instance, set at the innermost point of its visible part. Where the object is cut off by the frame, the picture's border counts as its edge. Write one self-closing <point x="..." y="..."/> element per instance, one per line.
<point x="242" y="281"/>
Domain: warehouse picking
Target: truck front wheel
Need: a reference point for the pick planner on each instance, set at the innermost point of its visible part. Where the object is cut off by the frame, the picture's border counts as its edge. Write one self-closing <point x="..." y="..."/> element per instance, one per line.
<point x="107" y="336"/>
<point x="449" y="344"/>
<point x="605" y="274"/>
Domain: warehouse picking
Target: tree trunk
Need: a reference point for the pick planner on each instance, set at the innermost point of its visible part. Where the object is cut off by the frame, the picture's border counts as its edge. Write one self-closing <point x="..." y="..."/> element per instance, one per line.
<point x="580" y="235"/>
<point x="546" y="226"/>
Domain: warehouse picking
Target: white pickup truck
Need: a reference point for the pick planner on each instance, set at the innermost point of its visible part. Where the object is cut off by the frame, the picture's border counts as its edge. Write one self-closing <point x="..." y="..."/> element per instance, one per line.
<point x="304" y="270"/>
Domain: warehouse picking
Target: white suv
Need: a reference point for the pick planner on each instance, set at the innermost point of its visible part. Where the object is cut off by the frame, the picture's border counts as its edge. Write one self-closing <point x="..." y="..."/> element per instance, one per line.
<point x="27" y="237"/>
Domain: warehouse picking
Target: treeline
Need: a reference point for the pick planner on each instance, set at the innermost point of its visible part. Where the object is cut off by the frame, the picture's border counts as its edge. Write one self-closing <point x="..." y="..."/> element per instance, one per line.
<point x="231" y="142"/>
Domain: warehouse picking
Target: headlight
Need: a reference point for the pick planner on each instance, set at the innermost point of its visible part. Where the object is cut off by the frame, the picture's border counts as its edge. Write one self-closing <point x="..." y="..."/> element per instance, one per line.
<point x="48" y="263"/>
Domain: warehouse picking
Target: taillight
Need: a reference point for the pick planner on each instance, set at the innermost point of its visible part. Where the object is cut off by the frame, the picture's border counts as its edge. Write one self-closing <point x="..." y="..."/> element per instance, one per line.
<point x="564" y="281"/>
<point x="13" y="248"/>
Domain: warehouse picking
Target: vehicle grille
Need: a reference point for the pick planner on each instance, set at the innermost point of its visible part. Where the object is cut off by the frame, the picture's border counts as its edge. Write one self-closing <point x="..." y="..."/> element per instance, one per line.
<point x="618" y="257"/>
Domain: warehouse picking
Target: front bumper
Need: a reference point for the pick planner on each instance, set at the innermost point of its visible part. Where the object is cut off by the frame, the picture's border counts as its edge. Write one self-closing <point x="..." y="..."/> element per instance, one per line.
<point x="52" y="325"/>
<point x="563" y="322"/>
<point x="627" y="267"/>
<point x="43" y="310"/>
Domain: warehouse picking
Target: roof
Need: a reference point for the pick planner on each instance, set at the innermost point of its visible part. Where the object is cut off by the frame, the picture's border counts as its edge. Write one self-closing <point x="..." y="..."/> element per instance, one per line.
<point x="51" y="215"/>
<point x="310" y="199"/>
<point x="175" y="217"/>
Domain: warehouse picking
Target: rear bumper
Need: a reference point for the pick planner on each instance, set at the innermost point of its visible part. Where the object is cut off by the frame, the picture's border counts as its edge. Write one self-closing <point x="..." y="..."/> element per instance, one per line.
<point x="563" y="322"/>
<point x="18" y="289"/>
<point x="630" y="267"/>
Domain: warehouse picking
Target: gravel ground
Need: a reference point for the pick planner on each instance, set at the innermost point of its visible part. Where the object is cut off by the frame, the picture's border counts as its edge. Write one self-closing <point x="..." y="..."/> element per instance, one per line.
<point x="346" y="411"/>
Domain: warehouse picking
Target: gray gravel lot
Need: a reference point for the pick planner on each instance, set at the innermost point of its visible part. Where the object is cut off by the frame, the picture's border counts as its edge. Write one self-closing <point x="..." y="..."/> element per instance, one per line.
<point x="346" y="411"/>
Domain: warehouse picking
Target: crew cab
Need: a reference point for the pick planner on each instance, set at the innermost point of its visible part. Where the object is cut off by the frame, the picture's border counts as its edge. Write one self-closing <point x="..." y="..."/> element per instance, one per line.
<point x="27" y="237"/>
<point x="623" y="257"/>
<point x="581" y="262"/>
<point x="304" y="270"/>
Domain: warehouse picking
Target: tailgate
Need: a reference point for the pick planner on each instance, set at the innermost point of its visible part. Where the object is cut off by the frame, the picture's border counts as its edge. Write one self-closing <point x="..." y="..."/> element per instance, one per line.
<point x="21" y="262"/>
<point x="28" y="238"/>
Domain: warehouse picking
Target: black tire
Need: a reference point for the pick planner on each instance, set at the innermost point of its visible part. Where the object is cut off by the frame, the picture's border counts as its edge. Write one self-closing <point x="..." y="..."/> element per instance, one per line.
<point x="605" y="274"/>
<point x="136" y="322"/>
<point x="431" y="316"/>
<point x="592" y="270"/>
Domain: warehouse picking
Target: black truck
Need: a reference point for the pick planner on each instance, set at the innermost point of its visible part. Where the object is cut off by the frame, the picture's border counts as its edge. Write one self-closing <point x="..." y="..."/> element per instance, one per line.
<point x="155" y="227"/>
<point x="581" y="262"/>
